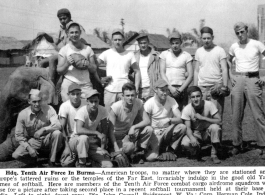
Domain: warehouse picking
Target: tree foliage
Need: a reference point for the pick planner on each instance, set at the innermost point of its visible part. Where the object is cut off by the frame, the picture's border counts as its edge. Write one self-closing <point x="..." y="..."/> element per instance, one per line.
<point x="253" y="32"/>
<point x="102" y="34"/>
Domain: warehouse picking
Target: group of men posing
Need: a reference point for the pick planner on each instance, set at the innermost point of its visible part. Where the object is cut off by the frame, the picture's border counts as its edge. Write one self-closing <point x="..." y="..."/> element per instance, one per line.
<point x="157" y="114"/>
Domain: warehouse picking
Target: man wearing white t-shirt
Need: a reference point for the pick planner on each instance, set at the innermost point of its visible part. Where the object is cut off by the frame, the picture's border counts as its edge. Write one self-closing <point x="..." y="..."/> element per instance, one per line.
<point x="211" y="69"/>
<point x="148" y="61"/>
<point x="66" y="115"/>
<point x="203" y="124"/>
<point x="65" y="63"/>
<point x="174" y="63"/>
<point x="247" y="86"/>
<point x="118" y="63"/>
<point x="166" y="124"/>
<point x="89" y="137"/>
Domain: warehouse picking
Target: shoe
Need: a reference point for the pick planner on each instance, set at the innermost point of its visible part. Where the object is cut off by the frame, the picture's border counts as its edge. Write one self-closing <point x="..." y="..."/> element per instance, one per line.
<point x="79" y="165"/>
<point x="215" y="160"/>
<point x="54" y="164"/>
<point x="235" y="151"/>
<point x="262" y="154"/>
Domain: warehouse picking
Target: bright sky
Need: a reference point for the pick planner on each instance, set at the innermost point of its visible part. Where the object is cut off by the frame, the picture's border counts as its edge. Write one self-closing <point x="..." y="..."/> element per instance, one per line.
<point x="23" y="19"/>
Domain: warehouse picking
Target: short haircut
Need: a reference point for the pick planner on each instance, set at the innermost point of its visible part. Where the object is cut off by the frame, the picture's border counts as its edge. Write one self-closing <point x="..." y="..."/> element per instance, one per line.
<point x="173" y="39"/>
<point x="128" y="86"/>
<point x="206" y="29"/>
<point x="117" y="33"/>
<point x="143" y="38"/>
<point x="192" y="89"/>
<point x="73" y="25"/>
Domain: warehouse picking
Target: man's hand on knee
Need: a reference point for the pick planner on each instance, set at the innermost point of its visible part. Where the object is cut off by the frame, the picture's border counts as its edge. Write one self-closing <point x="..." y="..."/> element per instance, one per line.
<point x="32" y="152"/>
<point x="39" y="133"/>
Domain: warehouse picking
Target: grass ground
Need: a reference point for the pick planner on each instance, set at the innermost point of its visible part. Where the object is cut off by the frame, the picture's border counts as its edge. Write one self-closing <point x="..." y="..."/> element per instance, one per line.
<point x="250" y="157"/>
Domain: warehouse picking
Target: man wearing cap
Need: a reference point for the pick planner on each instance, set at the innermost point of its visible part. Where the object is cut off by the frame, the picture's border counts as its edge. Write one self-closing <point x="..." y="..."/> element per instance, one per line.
<point x="127" y="121"/>
<point x="148" y="61"/>
<point x="38" y="128"/>
<point x="118" y="63"/>
<point x="211" y="69"/>
<point x="203" y="124"/>
<point x="166" y="124"/>
<point x="247" y="86"/>
<point x="66" y="65"/>
<point x="174" y="63"/>
<point x="89" y="137"/>
<point x="67" y="115"/>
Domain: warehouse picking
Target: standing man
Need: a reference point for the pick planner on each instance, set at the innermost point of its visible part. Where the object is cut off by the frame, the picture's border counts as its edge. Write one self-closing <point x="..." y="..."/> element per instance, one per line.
<point x="89" y="137"/>
<point x="166" y="124"/>
<point x="203" y="124"/>
<point x="38" y="128"/>
<point x="247" y="86"/>
<point x="211" y="70"/>
<point x="118" y="62"/>
<point x="148" y="61"/>
<point x="76" y="62"/>
<point x="127" y="121"/>
<point x="67" y="115"/>
<point x="174" y="63"/>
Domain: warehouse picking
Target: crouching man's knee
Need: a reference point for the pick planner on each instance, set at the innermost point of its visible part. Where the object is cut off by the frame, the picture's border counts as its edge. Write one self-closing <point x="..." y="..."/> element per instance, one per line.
<point x="106" y="164"/>
<point x="215" y="131"/>
<point x="128" y="147"/>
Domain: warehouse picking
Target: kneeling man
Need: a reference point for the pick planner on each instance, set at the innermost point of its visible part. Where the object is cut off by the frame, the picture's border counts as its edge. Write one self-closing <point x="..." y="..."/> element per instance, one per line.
<point x="127" y="119"/>
<point x="203" y="123"/>
<point x="166" y="124"/>
<point x="38" y="128"/>
<point x="88" y="139"/>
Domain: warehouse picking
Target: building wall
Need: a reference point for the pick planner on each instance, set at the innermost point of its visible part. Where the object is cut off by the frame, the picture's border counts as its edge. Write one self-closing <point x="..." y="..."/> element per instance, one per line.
<point x="261" y="22"/>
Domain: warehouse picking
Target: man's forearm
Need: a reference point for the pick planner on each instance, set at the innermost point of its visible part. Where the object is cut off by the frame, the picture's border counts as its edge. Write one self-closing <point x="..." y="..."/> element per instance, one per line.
<point x="176" y="120"/>
<point x="137" y="80"/>
<point x="212" y="120"/>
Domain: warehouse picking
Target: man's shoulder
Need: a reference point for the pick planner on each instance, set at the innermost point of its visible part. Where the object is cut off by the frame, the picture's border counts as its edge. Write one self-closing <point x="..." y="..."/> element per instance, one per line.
<point x="25" y="111"/>
<point x="165" y="52"/>
<point x="150" y="101"/>
<point x="66" y="104"/>
<point x="208" y="104"/>
<point x="117" y="104"/>
<point x="187" y="109"/>
<point x="102" y="108"/>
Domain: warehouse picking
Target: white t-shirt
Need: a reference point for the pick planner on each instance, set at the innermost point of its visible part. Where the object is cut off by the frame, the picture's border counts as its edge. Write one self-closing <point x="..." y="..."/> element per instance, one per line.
<point x="68" y="111"/>
<point x="124" y="120"/>
<point x="143" y="65"/>
<point x="176" y="67"/>
<point x="117" y="66"/>
<point x="188" y="114"/>
<point x="83" y="115"/>
<point x="247" y="56"/>
<point x="210" y="70"/>
<point x="158" y="111"/>
<point x="73" y="74"/>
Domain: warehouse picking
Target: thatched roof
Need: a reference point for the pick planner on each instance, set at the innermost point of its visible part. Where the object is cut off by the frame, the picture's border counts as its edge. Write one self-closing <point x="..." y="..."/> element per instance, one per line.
<point x="96" y="43"/>
<point x="92" y="40"/>
<point x="159" y="41"/>
<point x="9" y="43"/>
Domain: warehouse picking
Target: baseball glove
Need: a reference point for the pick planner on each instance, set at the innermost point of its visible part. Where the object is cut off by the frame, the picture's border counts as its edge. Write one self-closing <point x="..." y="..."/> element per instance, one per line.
<point x="80" y="62"/>
<point x="105" y="80"/>
<point x="120" y="159"/>
<point x="167" y="156"/>
<point x="219" y="90"/>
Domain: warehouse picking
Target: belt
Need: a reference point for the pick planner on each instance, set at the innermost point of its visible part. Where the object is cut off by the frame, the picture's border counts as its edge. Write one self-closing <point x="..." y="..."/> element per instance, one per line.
<point x="247" y="74"/>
